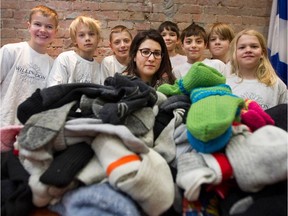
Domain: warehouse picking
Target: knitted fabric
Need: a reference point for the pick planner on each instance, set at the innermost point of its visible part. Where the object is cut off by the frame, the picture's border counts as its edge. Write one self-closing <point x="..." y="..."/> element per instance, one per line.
<point x="152" y="187"/>
<point x="254" y="116"/>
<point x="199" y="75"/>
<point x="43" y="127"/>
<point x="95" y="200"/>
<point x="67" y="164"/>
<point x="192" y="174"/>
<point x="258" y="159"/>
<point x="210" y="146"/>
<point x="212" y="111"/>
<point x="118" y="161"/>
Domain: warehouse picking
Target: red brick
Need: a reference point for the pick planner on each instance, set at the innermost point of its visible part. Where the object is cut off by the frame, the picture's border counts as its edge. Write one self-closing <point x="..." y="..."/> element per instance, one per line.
<point x="113" y="6"/>
<point x="137" y="15"/>
<point x="6" y="13"/>
<point x="139" y="8"/>
<point x="257" y="21"/>
<point x="229" y="19"/>
<point x="87" y="6"/>
<point x="193" y="9"/>
<point x="10" y="4"/>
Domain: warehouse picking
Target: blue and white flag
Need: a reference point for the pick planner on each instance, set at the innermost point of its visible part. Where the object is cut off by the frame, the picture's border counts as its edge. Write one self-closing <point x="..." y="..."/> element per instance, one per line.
<point x="277" y="38"/>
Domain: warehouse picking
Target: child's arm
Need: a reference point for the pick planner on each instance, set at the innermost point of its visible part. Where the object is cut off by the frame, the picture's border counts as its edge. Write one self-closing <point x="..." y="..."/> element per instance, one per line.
<point x="283" y="97"/>
<point x="105" y="69"/>
<point x="59" y="73"/>
<point x="6" y="62"/>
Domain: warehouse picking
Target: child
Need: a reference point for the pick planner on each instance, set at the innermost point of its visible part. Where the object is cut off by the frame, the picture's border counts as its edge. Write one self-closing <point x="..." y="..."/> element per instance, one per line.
<point x="25" y="66"/>
<point x="149" y="59"/>
<point x="79" y="65"/>
<point x="252" y="75"/>
<point x="171" y="36"/>
<point x="120" y="42"/>
<point x="219" y="39"/>
<point x="194" y="42"/>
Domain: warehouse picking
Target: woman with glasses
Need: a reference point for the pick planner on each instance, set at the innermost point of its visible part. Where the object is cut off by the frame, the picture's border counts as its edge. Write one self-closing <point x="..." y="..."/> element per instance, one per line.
<point x="149" y="59"/>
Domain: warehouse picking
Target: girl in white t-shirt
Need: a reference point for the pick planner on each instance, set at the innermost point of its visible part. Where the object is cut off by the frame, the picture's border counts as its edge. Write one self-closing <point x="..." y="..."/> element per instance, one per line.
<point x="252" y="75"/>
<point x="120" y="42"/>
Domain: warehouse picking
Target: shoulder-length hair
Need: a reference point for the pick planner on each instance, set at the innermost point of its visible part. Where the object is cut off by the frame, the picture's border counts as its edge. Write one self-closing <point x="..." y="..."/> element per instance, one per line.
<point x="265" y="72"/>
<point x="165" y="66"/>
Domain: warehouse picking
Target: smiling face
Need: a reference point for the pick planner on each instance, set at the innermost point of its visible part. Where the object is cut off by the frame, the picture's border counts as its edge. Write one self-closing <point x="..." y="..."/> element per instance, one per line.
<point x="148" y="66"/>
<point x="194" y="47"/>
<point x="120" y="44"/>
<point x="171" y="39"/>
<point x="86" y="41"/>
<point x="248" y="52"/>
<point x="218" y="47"/>
<point x="43" y="30"/>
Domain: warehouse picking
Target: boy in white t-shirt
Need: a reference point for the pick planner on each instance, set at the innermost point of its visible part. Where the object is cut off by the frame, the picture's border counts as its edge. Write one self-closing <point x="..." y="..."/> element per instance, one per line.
<point x="171" y="36"/>
<point x="194" y="42"/>
<point x="120" y="42"/>
<point x="79" y="65"/>
<point x="25" y="66"/>
<point x="219" y="38"/>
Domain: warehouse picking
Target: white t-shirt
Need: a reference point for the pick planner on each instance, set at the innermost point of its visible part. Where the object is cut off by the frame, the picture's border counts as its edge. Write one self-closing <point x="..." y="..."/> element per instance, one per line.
<point x="228" y="68"/>
<point x="23" y="70"/>
<point x="181" y="70"/>
<point x="266" y="97"/>
<point x="69" y="67"/>
<point x="110" y="65"/>
<point x="177" y="60"/>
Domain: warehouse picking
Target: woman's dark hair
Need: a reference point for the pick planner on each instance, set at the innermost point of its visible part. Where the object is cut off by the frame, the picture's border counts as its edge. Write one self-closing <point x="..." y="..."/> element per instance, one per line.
<point x="165" y="66"/>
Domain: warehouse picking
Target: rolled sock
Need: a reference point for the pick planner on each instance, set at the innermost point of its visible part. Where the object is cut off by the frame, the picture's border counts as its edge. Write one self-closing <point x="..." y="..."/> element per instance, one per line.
<point x="117" y="160"/>
<point x="43" y="127"/>
<point x="212" y="111"/>
<point x="220" y="164"/>
<point x="66" y="165"/>
<point x="192" y="173"/>
<point x="152" y="187"/>
<point x="259" y="158"/>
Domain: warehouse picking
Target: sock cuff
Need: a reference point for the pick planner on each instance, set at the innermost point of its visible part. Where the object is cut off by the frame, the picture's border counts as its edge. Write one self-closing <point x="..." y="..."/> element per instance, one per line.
<point x="220" y="164"/>
<point x="120" y="162"/>
<point x="225" y="166"/>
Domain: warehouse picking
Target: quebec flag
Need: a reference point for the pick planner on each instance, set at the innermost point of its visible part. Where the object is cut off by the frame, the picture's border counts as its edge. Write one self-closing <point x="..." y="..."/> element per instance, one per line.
<point x="277" y="38"/>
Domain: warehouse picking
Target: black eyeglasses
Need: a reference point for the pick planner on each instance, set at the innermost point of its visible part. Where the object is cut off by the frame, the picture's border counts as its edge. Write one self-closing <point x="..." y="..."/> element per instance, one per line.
<point x="146" y="53"/>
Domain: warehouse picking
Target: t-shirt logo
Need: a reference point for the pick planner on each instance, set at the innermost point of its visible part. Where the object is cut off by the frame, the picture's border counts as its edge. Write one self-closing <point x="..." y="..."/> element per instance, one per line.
<point x="30" y="72"/>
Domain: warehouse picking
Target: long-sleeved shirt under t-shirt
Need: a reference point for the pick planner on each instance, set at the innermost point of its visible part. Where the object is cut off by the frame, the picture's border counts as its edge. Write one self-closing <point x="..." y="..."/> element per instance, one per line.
<point x="69" y="67"/>
<point x="23" y="70"/>
<point x="183" y="69"/>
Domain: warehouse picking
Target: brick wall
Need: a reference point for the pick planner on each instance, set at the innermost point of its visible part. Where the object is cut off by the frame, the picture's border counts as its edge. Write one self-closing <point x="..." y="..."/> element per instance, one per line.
<point x="135" y="14"/>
